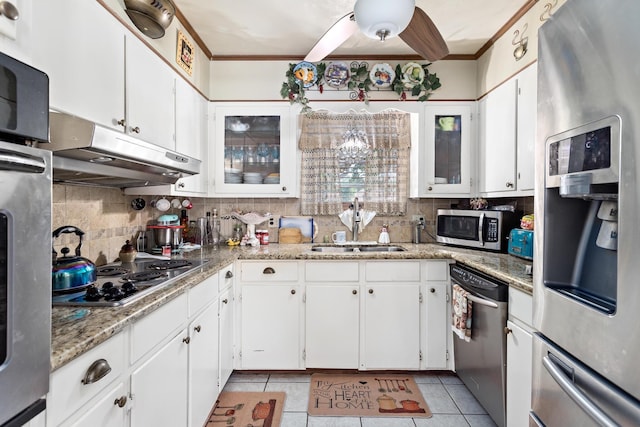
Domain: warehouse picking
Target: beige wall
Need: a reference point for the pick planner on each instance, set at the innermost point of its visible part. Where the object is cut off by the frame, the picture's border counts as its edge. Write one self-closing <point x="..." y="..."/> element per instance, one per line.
<point x="498" y="64"/>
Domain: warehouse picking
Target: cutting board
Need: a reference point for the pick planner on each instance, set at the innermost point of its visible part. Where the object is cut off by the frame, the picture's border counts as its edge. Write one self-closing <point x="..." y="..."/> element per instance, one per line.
<point x="306" y="225"/>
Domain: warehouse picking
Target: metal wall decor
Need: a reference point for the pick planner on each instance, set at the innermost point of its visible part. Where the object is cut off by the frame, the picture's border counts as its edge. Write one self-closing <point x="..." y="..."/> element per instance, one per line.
<point x="521" y="43"/>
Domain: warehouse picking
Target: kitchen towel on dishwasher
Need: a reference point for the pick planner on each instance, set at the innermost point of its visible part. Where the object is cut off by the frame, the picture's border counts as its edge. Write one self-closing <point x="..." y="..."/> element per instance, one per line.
<point x="462" y="313"/>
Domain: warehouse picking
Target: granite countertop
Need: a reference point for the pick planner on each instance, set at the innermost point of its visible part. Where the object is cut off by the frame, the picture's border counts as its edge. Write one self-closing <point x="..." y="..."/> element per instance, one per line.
<point x="76" y="329"/>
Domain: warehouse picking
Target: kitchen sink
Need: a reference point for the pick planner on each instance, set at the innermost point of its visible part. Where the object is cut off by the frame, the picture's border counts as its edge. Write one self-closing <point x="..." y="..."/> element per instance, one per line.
<point x="332" y="249"/>
<point x="352" y="249"/>
<point x="382" y="249"/>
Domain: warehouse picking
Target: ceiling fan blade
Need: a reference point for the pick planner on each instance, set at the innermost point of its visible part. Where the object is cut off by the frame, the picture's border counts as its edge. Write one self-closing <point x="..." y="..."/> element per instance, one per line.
<point x="423" y="36"/>
<point x="339" y="32"/>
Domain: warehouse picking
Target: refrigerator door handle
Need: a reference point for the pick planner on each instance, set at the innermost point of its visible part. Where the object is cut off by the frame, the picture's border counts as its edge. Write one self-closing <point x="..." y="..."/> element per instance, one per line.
<point x="576" y="395"/>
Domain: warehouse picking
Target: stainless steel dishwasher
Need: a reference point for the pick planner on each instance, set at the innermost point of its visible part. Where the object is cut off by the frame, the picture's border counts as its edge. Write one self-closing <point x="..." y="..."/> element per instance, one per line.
<point x="481" y="363"/>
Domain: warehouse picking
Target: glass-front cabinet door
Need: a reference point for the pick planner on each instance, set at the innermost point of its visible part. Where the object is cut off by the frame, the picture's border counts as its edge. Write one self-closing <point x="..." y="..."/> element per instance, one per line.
<point x="447" y="153"/>
<point x="255" y="151"/>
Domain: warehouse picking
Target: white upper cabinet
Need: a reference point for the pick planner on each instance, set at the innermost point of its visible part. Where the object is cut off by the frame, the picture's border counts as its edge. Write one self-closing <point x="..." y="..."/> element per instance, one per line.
<point x="81" y="48"/>
<point x="150" y="86"/>
<point x="254" y="151"/>
<point x="507" y="137"/>
<point x="444" y="151"/>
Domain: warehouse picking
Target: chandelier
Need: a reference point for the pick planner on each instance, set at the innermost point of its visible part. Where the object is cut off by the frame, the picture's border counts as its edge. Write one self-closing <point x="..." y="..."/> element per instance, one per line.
<point x="355" y="147"/>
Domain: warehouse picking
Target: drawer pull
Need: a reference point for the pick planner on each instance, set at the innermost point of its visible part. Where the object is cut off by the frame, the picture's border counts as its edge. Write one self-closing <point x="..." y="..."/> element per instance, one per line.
<point x="229" y="275"/>
<point x="268" y="270"/>
<point x="122" y="122"/>
<point x="186" y="340"/>
<point x="432" y="290"/>
<point x="121" y="401"/>
<point x="135" y="129"/>
<point x="97" y="371"/>
<point x="370" y="291"/>
<point x="197" y="328"/>
<point x="225" y="301"/>
<point x="507" y="330"/>
<point x="293" y="291"/>
<point x="355" y="292"/>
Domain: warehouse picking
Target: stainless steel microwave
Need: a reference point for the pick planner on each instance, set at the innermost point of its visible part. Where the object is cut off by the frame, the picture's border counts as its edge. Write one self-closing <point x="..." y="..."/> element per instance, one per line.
<point x="24" y="102"/>
<point x="481" y="229"/>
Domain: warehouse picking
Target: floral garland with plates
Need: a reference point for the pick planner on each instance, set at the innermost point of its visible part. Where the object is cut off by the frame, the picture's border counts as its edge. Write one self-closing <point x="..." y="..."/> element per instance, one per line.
<point x="360" y="79"/>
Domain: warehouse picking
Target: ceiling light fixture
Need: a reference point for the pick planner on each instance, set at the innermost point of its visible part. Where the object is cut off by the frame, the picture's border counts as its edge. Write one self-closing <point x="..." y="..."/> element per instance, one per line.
<point x="382" y="19"/>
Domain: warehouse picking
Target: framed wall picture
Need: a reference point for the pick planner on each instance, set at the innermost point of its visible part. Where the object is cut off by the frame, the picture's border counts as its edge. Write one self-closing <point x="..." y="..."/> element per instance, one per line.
<point x="185" y="54"/>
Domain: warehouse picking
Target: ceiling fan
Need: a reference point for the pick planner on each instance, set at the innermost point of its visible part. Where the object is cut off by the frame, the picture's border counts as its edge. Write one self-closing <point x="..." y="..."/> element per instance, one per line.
<point x="380" y="20"/>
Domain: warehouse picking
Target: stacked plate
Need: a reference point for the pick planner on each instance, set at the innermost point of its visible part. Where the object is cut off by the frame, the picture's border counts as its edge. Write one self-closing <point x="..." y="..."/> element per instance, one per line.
<point x="272" y="178"/>
<point x="252" y="178"/>
<point x="232" y="176"/>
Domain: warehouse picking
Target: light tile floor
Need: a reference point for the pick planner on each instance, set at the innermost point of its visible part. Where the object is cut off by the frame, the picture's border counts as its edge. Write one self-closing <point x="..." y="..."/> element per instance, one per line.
<point x="450" y="402"/>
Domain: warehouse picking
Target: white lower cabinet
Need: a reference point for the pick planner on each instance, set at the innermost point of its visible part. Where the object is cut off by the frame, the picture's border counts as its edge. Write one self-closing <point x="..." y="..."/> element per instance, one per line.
<point x="519" y="358"/>
<point x="391" y="330"/>
<point x="435" y="328"/>
<point x="107" y="411"/>
<point x="270" y="322"/>
<point x="159" y="386"/>
<point x="226" y="328"/>
<point x="204" y="368"/>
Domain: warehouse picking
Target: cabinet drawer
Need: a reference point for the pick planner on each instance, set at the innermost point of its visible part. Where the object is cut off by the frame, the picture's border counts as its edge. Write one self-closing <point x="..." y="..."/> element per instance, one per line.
<point x="331" y="271"/>
<point x="225" y="277"/>
<point x="67" y="392"/>
<point x="392" y="271"/>
<point x="202" y="294"/>
<point x="436" y="271"/>
<point x="154" y="327"/>
<point x="521" y="306"/>
<point x="273" y="271"/>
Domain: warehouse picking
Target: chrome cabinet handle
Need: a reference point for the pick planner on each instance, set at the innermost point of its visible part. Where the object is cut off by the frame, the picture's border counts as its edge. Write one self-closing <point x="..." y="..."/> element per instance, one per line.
<point x="135" y="129"/>
<point x="293" y="291"/>
<point x="355" y="292"/>
<point x="225" y="301"/>
<point x="430" y="188"/>
<point x="370" y="291"/>
<point x="432" y="290"/>
<point x="268" y="270"/>
<point x="97" y="371"/>
<point x="284" y="188"/>
<point x="229" y="274"/>
<point x="121" y="401"/>
<point x="197" y="328"/>
<point x="509" y="185"/>
<point x="186" y="340"/>
<point x="181" y="185"/>
<point x="122" y="122"/>
<point x="507" y="330"/>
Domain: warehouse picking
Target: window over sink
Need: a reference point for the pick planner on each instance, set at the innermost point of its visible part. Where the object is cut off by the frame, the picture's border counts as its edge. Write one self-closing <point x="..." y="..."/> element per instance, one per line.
<point x="355" y="154"/>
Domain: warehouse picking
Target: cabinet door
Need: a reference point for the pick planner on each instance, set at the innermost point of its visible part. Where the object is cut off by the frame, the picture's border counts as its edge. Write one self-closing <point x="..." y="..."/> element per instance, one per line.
<point x="255" y="151"/>
<point x="498" y="139"/>
<point x="106" y="411"/>
<point x="519" y="365"/>
<point x="447" y="167"/>
<point x="332" y="326"/>
<point x="85" y="65"/>
<point x="436" y="326"/>
<point x="150" y="95"/>
<point x="391" y="327"/>
<point x="226" y="336"/>
<point x="270" y="327"/>
<point x="191" y="134"/>
<point x="527" y="119"/>
<point x="159" y="386"/>
<point x="203" y="365"/>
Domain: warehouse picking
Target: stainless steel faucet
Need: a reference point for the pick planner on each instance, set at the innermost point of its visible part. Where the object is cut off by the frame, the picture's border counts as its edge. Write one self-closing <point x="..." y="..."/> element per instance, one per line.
<point x="355" y="226"/>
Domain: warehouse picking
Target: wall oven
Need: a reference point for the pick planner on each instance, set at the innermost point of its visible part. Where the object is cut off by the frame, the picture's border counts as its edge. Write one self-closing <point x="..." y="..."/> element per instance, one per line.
<point x="482" y="229"/>
<point x="25" y="243"/>
<point x="586" y="293"/>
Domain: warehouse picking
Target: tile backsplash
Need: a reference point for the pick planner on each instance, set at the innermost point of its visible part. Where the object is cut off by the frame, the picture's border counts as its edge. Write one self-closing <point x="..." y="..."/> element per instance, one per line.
<point x="108" y="219"/>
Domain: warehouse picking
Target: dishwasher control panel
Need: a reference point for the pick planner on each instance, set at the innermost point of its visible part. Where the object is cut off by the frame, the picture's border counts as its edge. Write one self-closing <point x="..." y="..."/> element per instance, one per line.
<point x="480" y="283"/>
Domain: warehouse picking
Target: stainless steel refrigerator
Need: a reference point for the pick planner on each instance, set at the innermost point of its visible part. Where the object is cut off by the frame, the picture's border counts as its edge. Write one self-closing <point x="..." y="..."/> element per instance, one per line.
<point x="587" y="247"/>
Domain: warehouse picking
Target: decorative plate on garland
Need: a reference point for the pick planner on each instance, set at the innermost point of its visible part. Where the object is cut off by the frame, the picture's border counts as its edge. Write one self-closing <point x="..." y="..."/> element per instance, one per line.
<point x="337" y="74"/>
<point x="412" y="74"/>
<point x="306" y="73"/>
<point x="382" y="75"/>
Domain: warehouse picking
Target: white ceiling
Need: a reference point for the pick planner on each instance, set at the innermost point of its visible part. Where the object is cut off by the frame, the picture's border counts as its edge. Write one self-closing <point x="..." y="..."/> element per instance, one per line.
<point x="292" y="27"/>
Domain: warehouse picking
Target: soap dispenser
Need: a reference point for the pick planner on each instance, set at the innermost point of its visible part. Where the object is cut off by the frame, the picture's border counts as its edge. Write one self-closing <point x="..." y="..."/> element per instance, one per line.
<point x="384" y="235"/>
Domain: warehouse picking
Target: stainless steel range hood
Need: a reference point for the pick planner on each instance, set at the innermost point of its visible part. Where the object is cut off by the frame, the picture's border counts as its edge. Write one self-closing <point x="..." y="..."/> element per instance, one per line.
<point x="85" y="153"/>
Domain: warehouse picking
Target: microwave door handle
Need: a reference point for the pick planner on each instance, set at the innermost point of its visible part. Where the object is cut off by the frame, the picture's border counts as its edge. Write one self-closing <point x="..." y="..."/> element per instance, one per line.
<point x="480" y="229"/>
<point x="482" y="301"/>
<point x="576" y="395"/>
